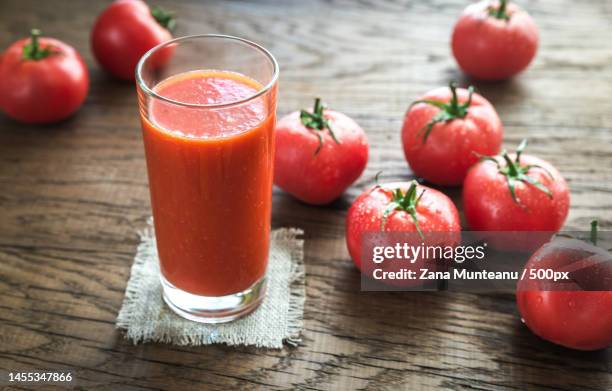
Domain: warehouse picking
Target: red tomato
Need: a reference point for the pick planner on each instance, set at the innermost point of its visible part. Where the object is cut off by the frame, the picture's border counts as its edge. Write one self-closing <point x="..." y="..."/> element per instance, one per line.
<point x="446" y="130"/>
<point x="494" y="40"/>
<point x="318" y="154"/>
<point x="515" y="193"/>
<point x="572" y="314"/>
<point x="401" y="207"/>
<point x="42" y="80"/>
<point x="125" y="31"/>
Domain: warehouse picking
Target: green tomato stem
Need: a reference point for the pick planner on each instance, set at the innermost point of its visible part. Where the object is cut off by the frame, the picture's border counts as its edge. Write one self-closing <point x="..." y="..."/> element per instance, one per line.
<point x="448" y="111"/>
<point x="317" y="122"/>
<point x="593" y="237"/>
<point x="514" y="172"/>
<point x="405" y="202"/>
<point x="165" y="18"/>
<point x="500" y="12"/>
<point x="32" y="50"/>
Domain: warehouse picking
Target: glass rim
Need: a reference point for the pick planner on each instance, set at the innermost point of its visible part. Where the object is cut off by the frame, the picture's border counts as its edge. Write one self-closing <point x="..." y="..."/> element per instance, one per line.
<point x="267" y="87"/>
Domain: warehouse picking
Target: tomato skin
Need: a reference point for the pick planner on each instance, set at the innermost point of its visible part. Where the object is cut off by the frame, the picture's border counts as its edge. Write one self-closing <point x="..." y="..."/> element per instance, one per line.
<point x="123" y="33"/>
<point x="435" y="213"/>
<point x="575" y="319"/>
<point x="488" y="48"/>
<point x="488" y="204"/>
<point x="46" y="90"/>
<point x="452" y="147"/>
<point x="318" y="179"/>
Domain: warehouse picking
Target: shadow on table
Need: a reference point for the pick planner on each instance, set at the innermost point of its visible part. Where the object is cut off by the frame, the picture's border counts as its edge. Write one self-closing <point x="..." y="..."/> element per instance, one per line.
<point x="555" y="365"/>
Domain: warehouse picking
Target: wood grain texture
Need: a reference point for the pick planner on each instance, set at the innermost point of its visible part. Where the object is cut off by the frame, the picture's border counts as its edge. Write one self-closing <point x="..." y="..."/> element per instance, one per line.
<point x="73" y="195"/>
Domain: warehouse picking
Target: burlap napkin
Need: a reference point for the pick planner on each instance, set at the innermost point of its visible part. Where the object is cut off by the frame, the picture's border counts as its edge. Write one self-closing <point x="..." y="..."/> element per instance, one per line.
<point x="278" y="320"/>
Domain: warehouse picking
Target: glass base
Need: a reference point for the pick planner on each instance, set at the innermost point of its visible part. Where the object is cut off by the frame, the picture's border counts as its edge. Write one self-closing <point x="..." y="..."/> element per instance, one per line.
<point x="213" y="309"/>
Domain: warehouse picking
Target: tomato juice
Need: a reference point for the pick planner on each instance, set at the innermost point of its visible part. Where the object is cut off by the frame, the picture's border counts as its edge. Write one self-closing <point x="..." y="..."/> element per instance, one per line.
<point x="210" y="167"/>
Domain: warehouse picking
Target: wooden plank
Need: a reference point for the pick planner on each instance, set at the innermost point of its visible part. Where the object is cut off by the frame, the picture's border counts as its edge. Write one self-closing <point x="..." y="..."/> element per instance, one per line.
<point x="74" y="195"/>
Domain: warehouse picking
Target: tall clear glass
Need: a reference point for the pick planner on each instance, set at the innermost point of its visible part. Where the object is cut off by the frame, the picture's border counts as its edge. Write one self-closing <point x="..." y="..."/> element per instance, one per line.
<point x="208" y="110"/>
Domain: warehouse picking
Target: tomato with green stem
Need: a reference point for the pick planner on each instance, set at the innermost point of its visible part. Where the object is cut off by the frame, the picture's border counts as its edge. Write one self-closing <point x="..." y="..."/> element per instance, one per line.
<point x="446" y="130"/>
<point x="494" y="40"/>
<point x="319" y="154"/>
<point x="573" y="312"/>
<point x="516" y="192"/>
<point x="399" y="207"/>
<point x="125" y="31"/>
<point x="42" y="80"/>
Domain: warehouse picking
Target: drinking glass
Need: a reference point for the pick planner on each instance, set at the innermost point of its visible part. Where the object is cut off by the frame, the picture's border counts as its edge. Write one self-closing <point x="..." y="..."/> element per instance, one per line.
<point x="208" y="109"/>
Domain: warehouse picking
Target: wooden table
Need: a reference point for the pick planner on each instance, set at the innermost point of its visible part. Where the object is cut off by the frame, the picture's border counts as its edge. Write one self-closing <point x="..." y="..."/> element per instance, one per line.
<point x="74" y="195"/>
